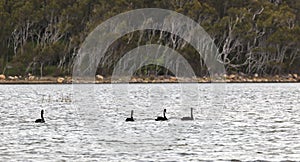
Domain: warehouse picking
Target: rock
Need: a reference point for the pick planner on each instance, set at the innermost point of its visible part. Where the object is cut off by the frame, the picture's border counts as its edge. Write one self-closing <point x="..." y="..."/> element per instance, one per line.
<point x="161" y="77"/>
<point x="292" y="80"/>
<point x="133" y="80"/>
<point x="205" y="79"/>
<point x="242" y="74"/>
<point x="60" y="80"/>
<point x="2" y="77"/>
<point x="31" y="77"/>
<point x="255" y="75"/>
<point x="69" y="79"/>
<point x="166" y="80"/>
<point x="173" y="79"/>
<point x="249" y="80"/>
<point x="99" y="77"/>
<point x="10" y="78"/>
<point x="295" y="76"/>
<point x="232" y="76"/>
<point x="152" y="77"/>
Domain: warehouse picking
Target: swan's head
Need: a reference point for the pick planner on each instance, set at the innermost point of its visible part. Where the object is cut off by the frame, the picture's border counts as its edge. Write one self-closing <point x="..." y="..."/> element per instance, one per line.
<point x="165" y="110"/>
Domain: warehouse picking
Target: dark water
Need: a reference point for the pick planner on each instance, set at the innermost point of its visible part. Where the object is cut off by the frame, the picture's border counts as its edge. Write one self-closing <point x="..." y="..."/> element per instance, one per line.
<point x="86" y="123"/>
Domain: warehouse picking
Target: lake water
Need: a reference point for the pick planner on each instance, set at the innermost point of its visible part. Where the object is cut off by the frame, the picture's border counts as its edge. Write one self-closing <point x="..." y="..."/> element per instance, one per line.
<point x="87" y="122"/>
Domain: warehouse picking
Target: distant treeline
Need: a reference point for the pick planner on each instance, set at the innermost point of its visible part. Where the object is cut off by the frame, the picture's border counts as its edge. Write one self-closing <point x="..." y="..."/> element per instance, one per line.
<point x="43" y="37"/>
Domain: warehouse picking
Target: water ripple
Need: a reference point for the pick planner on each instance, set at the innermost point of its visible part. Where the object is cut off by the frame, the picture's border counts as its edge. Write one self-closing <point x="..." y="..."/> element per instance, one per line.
<point x="257" y="122"/>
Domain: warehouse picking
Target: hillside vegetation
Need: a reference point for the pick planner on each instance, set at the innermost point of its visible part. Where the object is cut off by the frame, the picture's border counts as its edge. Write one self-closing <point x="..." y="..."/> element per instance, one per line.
<point x="42" y="37"/>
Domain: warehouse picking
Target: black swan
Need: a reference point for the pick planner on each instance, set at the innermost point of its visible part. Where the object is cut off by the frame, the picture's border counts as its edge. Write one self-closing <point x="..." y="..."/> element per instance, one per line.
<point x="42" y="118"/>
<point x="189" y="118"/>
<point x="160" y="118"/>
<point x="131" y="118"/>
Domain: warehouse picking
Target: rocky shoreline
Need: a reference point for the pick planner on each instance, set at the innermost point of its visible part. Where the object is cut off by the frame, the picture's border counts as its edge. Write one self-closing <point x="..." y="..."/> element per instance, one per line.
<point x="232" y="78"/>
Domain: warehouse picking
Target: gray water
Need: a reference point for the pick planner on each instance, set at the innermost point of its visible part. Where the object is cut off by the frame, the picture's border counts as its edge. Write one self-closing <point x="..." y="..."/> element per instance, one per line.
<point x="232" y="121"/>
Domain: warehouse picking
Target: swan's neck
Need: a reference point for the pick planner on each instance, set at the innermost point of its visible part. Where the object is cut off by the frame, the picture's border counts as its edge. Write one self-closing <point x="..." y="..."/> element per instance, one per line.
<point x="192" y="113"/>
<point x="42" y="116"/>
<point x="164" y="114"/>
<point x="131" y="114"/>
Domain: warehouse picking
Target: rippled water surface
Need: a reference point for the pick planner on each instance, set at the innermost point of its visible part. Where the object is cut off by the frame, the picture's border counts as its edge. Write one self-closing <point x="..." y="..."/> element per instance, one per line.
<point x="87" y="122"/>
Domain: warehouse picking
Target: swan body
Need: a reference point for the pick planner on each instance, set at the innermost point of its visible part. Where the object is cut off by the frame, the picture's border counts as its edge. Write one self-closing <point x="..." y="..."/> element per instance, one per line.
<point x="162" y="118"/>
<point x="42" y="120"/>
<point x="189" y="118"/>
<point x="131" y="118"/>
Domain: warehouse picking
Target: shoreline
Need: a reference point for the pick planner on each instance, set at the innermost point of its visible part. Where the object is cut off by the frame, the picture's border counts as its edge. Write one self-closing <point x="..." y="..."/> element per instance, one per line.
<point x="48" y="83"/>
<point x="157" y="80"/>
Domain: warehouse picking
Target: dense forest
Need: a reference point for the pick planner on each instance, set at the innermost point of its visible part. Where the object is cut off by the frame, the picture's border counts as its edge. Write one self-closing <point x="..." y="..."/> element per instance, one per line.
<point x="43" y="37"/>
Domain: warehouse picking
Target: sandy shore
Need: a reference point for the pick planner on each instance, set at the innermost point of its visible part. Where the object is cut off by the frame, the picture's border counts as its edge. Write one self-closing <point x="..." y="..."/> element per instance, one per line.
<point x="233" y="78"/>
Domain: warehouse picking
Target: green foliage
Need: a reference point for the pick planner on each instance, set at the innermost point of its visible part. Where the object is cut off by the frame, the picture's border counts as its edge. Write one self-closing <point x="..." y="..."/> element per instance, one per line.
<point x="257" y="36"/>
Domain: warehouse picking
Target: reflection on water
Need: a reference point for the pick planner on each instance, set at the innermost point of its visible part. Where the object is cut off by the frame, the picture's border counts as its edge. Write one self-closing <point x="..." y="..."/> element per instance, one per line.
<point x="257" y="122"/>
